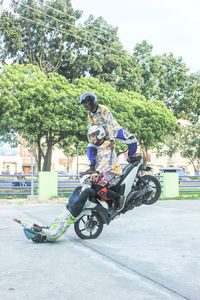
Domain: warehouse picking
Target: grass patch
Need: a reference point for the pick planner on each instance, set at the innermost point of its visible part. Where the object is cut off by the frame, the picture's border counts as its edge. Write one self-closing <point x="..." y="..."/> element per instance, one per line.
<point x="184" y="196"/>
<point x="13" y="197"/>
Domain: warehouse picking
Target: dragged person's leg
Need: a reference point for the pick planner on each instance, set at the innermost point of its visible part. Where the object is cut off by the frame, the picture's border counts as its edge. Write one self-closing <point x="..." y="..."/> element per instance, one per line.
<point x="60" y="226"/>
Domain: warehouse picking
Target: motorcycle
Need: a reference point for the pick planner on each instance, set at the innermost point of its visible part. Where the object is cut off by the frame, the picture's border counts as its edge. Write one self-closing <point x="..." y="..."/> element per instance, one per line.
<point x="137" y="188"/>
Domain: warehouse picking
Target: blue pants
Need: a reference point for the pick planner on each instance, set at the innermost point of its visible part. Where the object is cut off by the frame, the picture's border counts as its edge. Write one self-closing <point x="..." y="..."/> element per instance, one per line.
<point x="124" y="137"/>
<point x="78" y="200"/>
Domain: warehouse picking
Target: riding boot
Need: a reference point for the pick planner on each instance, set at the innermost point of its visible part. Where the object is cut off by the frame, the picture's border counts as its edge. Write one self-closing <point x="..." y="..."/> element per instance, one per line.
<point x="92" y="167"/>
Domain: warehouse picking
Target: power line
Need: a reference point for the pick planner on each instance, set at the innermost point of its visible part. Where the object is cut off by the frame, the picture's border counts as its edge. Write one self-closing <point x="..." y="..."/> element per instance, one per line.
<point x="52" y="17"/>
<point x="65" y="32"/>
<point x="70" y="16"/>
<point x="63" y="5"/>
<point x="76" y="36"/>
<point x="59" y="30"/>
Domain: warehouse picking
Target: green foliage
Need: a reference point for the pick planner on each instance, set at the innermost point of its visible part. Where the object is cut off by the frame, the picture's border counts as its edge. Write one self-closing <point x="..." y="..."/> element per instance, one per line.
<point x="11" y="34"/>
<point x="172" y="79"/>
<point x="187" y="141"/>
<point x="43" y="109"/>
<point x="98" y="52"/>
<point x="190" y="144"/>
<point x="148" y="68"/>
<point x="39" y="107"/>
<point x="189" y="104"/>
<point x="40" y="33"/>
<point x="46" y="34"/>
<point x="163" y="76"/>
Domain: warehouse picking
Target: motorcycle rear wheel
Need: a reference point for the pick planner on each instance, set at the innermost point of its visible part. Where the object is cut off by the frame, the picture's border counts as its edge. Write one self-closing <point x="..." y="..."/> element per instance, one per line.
<point x="89" y="226"/>
<point x="156" y="187"/>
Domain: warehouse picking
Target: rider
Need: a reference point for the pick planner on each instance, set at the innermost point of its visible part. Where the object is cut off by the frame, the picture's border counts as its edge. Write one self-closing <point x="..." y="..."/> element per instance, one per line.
<point x="100" y="115"/>
<point x="106" y="161"/>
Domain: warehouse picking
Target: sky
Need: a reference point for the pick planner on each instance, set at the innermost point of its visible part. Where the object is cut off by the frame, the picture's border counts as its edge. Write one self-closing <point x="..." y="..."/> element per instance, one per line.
<point x="168" y="25"/>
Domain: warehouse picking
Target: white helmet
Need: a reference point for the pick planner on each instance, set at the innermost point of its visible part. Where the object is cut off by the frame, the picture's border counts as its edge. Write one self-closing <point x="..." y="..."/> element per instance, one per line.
<point x="98" y="130"/>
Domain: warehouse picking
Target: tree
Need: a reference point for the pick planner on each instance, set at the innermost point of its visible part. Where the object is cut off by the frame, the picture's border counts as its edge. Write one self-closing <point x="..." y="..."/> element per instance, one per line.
<point x="148" y="68"/>
<point x="128" y="74"/>
<point x="189" y="104"/>
<point x="43" y="109"/>
<point x="187" y="141"/>
<point x="39" y="107"/>
<point x="172" y="80"/>
<point x="190" y="144"/>
<point x="40" y="33"/>
<point x="99" y="52"/>
<point x="151" y="121"/>
<point x="45" y="34"/>
<point x="163" y="76"/>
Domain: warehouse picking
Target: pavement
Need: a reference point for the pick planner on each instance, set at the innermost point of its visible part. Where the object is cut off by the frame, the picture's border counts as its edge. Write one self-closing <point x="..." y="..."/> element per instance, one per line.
<point x="151" y="252"/>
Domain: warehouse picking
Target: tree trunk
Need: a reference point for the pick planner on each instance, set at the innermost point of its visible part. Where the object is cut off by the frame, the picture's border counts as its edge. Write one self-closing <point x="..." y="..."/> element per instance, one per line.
<point x="77" y="156"/>
<point x="47" y="159"/>
<point x="198" y="164"/>
<point x="39" y="160"/>
<point x="145" y="155"/>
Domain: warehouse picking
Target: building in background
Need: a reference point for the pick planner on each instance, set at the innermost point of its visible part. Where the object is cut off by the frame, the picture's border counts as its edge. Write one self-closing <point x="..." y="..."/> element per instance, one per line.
<point x="9" y="159"/>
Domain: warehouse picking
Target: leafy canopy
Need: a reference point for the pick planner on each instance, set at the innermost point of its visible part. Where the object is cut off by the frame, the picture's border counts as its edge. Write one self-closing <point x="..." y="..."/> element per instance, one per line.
<point x="43" y="109"/>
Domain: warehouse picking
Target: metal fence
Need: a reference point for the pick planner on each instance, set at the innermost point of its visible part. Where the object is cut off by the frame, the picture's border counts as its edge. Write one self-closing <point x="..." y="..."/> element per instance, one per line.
<point x="18" y="184"/>
<point x="189" y="184"/>
<point x="28" y="184"/>
<point x="67" y="183"/>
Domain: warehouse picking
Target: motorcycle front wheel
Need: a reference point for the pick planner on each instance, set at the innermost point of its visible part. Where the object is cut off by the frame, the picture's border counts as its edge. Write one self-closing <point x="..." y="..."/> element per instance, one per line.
<point x="154" y="184"/>
<point x="89" y="226"/>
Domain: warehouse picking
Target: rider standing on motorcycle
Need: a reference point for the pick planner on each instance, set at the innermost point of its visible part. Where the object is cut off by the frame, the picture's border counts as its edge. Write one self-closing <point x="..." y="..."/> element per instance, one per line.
<point x="100" y="115"/>
<point x="106" y="161"/>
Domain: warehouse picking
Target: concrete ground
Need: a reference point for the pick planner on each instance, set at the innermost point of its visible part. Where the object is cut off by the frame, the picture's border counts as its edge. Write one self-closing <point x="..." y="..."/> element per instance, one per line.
<point x="151" y="252"/>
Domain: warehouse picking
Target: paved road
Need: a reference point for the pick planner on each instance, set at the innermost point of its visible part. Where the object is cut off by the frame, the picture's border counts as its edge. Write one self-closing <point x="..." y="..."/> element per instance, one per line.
<point x="151" y="252"/>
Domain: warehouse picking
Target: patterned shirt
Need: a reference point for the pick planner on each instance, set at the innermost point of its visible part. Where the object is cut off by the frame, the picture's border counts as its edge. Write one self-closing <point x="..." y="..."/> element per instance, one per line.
<point x="106" y="160"/>
<point x="104" y="118"/>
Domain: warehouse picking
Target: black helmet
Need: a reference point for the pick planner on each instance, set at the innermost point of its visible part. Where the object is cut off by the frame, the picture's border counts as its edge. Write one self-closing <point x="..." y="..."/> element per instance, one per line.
<point x="88" y="98"/>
